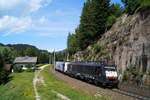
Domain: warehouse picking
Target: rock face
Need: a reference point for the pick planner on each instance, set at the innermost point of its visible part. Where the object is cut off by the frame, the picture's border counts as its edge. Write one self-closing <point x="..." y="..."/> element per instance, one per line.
<point x="126" y="44"/>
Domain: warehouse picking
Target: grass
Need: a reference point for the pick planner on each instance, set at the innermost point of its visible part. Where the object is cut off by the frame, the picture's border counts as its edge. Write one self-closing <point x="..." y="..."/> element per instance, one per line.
<point x="53" y="84"/>
<point x="19" y="88"/>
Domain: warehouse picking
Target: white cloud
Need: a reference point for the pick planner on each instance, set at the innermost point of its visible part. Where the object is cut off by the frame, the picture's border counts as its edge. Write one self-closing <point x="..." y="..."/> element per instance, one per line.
<point x="42" y="20"/>
<point x="27" y="6"/>
<point x="34" y="5"/>
<point x="55" y="50"/>
<point x="14" y="25"/>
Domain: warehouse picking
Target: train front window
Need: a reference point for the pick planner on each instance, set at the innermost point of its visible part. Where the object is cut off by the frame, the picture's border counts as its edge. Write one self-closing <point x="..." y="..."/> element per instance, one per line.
<point x="109" y="68"/>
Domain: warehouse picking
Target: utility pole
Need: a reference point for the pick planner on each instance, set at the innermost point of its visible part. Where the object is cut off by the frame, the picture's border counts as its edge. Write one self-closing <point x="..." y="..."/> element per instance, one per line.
<point x="50" y="59"/>
<point x="68" y="57"/>
<point x="54" y="57"/>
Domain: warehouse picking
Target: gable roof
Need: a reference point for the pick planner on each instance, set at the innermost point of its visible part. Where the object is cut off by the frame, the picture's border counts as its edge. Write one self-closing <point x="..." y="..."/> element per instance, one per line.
<point x="23" y="60"/>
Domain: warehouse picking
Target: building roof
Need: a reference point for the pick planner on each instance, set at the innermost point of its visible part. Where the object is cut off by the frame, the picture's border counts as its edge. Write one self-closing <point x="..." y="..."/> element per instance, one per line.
<point x="24" y="60"/>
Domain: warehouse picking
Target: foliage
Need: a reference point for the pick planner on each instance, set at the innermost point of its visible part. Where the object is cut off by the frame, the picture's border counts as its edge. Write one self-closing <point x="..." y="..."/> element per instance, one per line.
<point x="1" y="61"/>
<point x="30" y="68"/>
<point x="148" y="72"/>
<point x="7" y="56"/>
<point x="132" y="5"/>
<point x="43" y="56"/>
<point x="92" y="23"/>
<point x="97" y="16"/>
<point x="4" y="76"/>
<point x="115" y="11"/>
<point x="72" y="43"/>
<point x="125" y="76"/>
<point x="110" y="21"/>
<point x="19" y="88"/>
<point x="29" y="50"/>
<point x="29" y="65"/>
<point x="2" y="48"/>
<point x="134" y="76"/>
<point x="98" y="48"/>
<point x="61" y="57"/>
<point x="145" y="4"/>
<point x="17" y="68"/>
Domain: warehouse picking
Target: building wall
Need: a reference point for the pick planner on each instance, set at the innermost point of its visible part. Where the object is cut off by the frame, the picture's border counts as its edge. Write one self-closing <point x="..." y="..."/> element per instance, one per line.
<point x="25" y="66"/>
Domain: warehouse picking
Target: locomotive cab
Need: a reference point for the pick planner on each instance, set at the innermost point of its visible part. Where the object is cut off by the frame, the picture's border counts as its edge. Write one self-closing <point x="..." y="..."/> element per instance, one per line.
<point x="111" y="76"/>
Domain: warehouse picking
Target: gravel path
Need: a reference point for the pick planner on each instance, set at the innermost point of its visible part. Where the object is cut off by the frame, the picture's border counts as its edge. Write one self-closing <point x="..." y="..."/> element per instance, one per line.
<point x="37" y="79"/>
<point x="89" y="88"/>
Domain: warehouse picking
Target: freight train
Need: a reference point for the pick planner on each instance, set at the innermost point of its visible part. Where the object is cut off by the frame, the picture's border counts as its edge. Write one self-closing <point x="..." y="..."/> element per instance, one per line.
<point x="98" y="73"/>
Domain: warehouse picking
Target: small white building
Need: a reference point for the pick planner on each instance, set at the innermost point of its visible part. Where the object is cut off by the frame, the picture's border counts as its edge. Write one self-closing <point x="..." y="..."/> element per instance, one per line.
<point x="25" y="61"/>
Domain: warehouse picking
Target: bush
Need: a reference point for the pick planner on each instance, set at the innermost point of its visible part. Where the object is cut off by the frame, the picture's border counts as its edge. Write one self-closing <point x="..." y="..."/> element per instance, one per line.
<point x="125" y="76"/>
<point x="30" y="68"/>
<point x="110" y="21"/>
<point x="4" y="76"/>
<point x="17" y="68"/>
<point x="98" y="48"/>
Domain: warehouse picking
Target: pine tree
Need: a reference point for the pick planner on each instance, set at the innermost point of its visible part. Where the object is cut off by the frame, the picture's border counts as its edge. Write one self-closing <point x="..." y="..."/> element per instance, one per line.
<point x="92" y="23"/>
<point x="72" y="43"/>
<point x="131" y="5"/>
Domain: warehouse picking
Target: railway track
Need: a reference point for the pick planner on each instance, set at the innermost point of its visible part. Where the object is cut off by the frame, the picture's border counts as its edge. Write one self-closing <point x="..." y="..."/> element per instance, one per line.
<point x="141" y="97"/>
<point x="114" y="94"/>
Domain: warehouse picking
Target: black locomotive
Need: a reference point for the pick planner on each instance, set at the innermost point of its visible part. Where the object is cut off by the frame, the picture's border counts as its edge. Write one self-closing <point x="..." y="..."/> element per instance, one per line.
<point x="98" y="73"/>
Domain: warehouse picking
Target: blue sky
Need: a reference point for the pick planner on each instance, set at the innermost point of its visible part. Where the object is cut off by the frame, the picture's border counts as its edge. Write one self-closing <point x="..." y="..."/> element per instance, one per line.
<point x="43" y="23"/>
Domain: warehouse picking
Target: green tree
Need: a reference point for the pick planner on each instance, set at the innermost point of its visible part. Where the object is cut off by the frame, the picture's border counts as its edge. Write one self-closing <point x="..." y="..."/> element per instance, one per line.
<point x="17" y="68"/>
<point x="30" y="51"/>
<point x="115" y="11"/>
<point x="1" y="61"/>
<point x="43" y="57"/>
<point x="72" y="44"/>
<point x="4" y="75"/>
<point x="8" y="56"/>
<point x="132" y="5"/>
<point x="92" y="23"/>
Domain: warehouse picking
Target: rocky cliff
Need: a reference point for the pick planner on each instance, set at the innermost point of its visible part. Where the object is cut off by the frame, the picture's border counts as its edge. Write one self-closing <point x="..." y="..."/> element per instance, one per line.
<point x="126" y="44"/>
